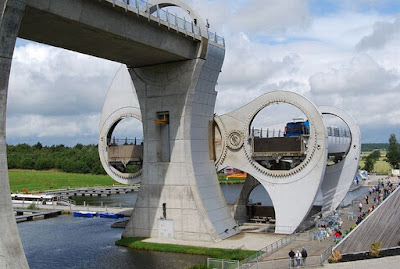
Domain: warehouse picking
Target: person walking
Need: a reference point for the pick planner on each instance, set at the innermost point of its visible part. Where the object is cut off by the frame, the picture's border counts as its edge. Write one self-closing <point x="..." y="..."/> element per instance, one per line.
<point x="291" y="257"/>
<point x="304" y="255"/>
<point x="360" y="206"/>
<point x="298" y="258"/>
<point x="366" y="199"/>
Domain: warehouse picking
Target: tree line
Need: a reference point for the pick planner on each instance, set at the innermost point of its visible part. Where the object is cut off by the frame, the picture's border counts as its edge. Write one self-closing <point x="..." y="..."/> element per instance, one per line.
<point x="82" y="159"/>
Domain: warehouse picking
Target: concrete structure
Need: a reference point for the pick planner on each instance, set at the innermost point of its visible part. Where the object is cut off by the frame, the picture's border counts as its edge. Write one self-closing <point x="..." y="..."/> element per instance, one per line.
<point x="174" y="65"/>
<point x="339" y="176"/>
<point x="292" y="191"/>
<point x="177" y="106"/>
<point x="11" y="252"/>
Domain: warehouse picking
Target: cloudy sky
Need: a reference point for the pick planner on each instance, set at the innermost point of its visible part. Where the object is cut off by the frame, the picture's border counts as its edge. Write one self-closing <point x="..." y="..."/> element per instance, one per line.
<point x="344" y="53"/>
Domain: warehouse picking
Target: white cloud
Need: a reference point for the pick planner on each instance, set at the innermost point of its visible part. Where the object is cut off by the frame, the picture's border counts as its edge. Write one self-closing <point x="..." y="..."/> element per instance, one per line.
<point x="362" y="76"/>
<point x="46" y="80"/>
<point x="383" y="32"/>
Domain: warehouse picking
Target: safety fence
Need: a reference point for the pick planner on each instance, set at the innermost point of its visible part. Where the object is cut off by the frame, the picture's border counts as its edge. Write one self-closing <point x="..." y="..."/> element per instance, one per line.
<point x="170" y="19"/>
<point x="285" y="263"/>
<point x="268" y="250"/>
<point x="256" y="260"/>
<point x="222" y="264"/>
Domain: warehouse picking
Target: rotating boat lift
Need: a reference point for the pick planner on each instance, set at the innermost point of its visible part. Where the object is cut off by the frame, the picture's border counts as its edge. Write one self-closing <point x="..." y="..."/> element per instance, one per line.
<point x="231" y="144"/>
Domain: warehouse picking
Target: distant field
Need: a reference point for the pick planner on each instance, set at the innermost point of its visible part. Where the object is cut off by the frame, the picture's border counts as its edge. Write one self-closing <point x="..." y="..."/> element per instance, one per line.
<point x="37" y="181"/>
<point x="381" y="166"/>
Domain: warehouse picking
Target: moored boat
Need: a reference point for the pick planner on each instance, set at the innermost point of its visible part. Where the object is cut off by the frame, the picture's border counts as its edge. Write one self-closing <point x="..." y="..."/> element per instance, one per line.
<point x="85" y="214"/>
<point x="111" y="215"/>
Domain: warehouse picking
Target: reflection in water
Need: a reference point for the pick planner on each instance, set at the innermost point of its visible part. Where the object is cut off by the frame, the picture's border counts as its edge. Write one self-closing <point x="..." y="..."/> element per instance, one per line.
<point x="68" y="242"/>
<point x="114" y="200"/>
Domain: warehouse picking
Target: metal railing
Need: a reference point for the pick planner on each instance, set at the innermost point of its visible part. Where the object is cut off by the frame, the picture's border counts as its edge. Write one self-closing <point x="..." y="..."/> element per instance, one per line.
<point x="222" y="264"/>
<point x="267" y="133"/>
<point x="325" y="255"/>
<point x="169" y="19"/>
<point x="310" y="261"/>
<point x="268" y="250"/>
<point x="124" y="141"/>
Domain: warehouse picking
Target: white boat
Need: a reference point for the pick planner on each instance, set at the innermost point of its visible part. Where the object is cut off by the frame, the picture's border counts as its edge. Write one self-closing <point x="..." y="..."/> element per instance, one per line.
<point x="39" y="198"/>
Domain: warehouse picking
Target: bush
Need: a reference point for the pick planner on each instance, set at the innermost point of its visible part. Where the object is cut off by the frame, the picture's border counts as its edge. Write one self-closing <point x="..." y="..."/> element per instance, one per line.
<point x="375" y="249"/>
<point x="335" y="257"/>
<point x="32" y="207"/>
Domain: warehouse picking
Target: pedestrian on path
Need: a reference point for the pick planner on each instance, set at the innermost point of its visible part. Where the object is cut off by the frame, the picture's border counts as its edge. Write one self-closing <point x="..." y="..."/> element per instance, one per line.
<point x="298" y="258"/>
<point x="291" y="257"/>
<point x="366" y="199"/>
<point x="360" y="206"/>
<point x="304" y="255"/>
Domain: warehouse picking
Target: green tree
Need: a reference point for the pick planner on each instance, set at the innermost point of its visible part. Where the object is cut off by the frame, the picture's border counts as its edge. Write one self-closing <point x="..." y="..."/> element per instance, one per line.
<point x="369" y="165"/>
<point x="371" y="159"/>
<point x="393" y="153"/>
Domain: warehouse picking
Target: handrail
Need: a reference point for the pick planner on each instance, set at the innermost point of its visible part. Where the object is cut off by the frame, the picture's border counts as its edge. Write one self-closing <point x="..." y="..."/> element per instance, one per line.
<point x="266" y="251"/>
<point x="169" y="19"/>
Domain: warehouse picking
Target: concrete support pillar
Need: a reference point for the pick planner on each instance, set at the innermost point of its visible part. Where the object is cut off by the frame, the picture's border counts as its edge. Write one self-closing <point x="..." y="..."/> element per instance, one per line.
<point x="179" y="196"/>
<point x="11" y="251"/>
<point x="240" y="207"/>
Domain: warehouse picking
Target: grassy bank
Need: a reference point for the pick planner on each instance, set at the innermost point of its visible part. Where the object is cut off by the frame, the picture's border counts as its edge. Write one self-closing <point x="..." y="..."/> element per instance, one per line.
<point x="222" y="179"/>
<point x="217" y="253"/>
<point x="37" y="181"/>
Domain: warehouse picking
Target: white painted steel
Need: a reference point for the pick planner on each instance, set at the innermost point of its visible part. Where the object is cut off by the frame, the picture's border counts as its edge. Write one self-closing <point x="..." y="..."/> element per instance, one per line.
<point x="292" y="191"/>
<point x="121" y="102"/>
<point x="338" y="177"/>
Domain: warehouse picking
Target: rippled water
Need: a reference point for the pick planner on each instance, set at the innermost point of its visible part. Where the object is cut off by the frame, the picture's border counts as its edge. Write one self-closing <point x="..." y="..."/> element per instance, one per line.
<point x="114" y="200"/>
<point x="68" y="242"/>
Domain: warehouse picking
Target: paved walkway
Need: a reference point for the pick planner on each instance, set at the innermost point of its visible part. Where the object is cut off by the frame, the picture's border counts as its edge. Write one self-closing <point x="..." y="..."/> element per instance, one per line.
<point x="245" y="241"/>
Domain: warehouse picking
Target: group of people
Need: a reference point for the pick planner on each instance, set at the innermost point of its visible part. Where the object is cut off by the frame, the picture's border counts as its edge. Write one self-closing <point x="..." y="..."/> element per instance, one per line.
<point x="299" y="256"/>
<point x="378" y="193"/>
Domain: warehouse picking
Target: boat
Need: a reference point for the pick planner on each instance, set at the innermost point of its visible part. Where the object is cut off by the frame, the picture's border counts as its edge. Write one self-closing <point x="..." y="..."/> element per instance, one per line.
<point x="111" y="215"/>
<point x="85" y="214"/>
<point x="40" y="199"/>
<point x="37" y="198"/>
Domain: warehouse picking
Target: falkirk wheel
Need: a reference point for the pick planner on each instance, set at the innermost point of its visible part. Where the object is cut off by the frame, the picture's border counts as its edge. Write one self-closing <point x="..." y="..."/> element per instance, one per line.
<point x="230" y="142"/>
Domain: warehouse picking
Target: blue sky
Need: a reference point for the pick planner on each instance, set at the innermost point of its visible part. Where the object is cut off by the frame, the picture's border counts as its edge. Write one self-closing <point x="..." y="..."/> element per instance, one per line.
<point x="343" y="53"/>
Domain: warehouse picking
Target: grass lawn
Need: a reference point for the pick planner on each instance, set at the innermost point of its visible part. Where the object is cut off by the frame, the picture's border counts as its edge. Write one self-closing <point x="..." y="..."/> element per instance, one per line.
<point x="37" y="181"/>
<point x="217" y="253"/>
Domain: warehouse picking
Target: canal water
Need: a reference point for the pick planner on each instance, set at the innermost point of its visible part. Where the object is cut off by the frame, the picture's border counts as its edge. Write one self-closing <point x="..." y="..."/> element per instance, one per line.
<point x="68" y="242"/>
